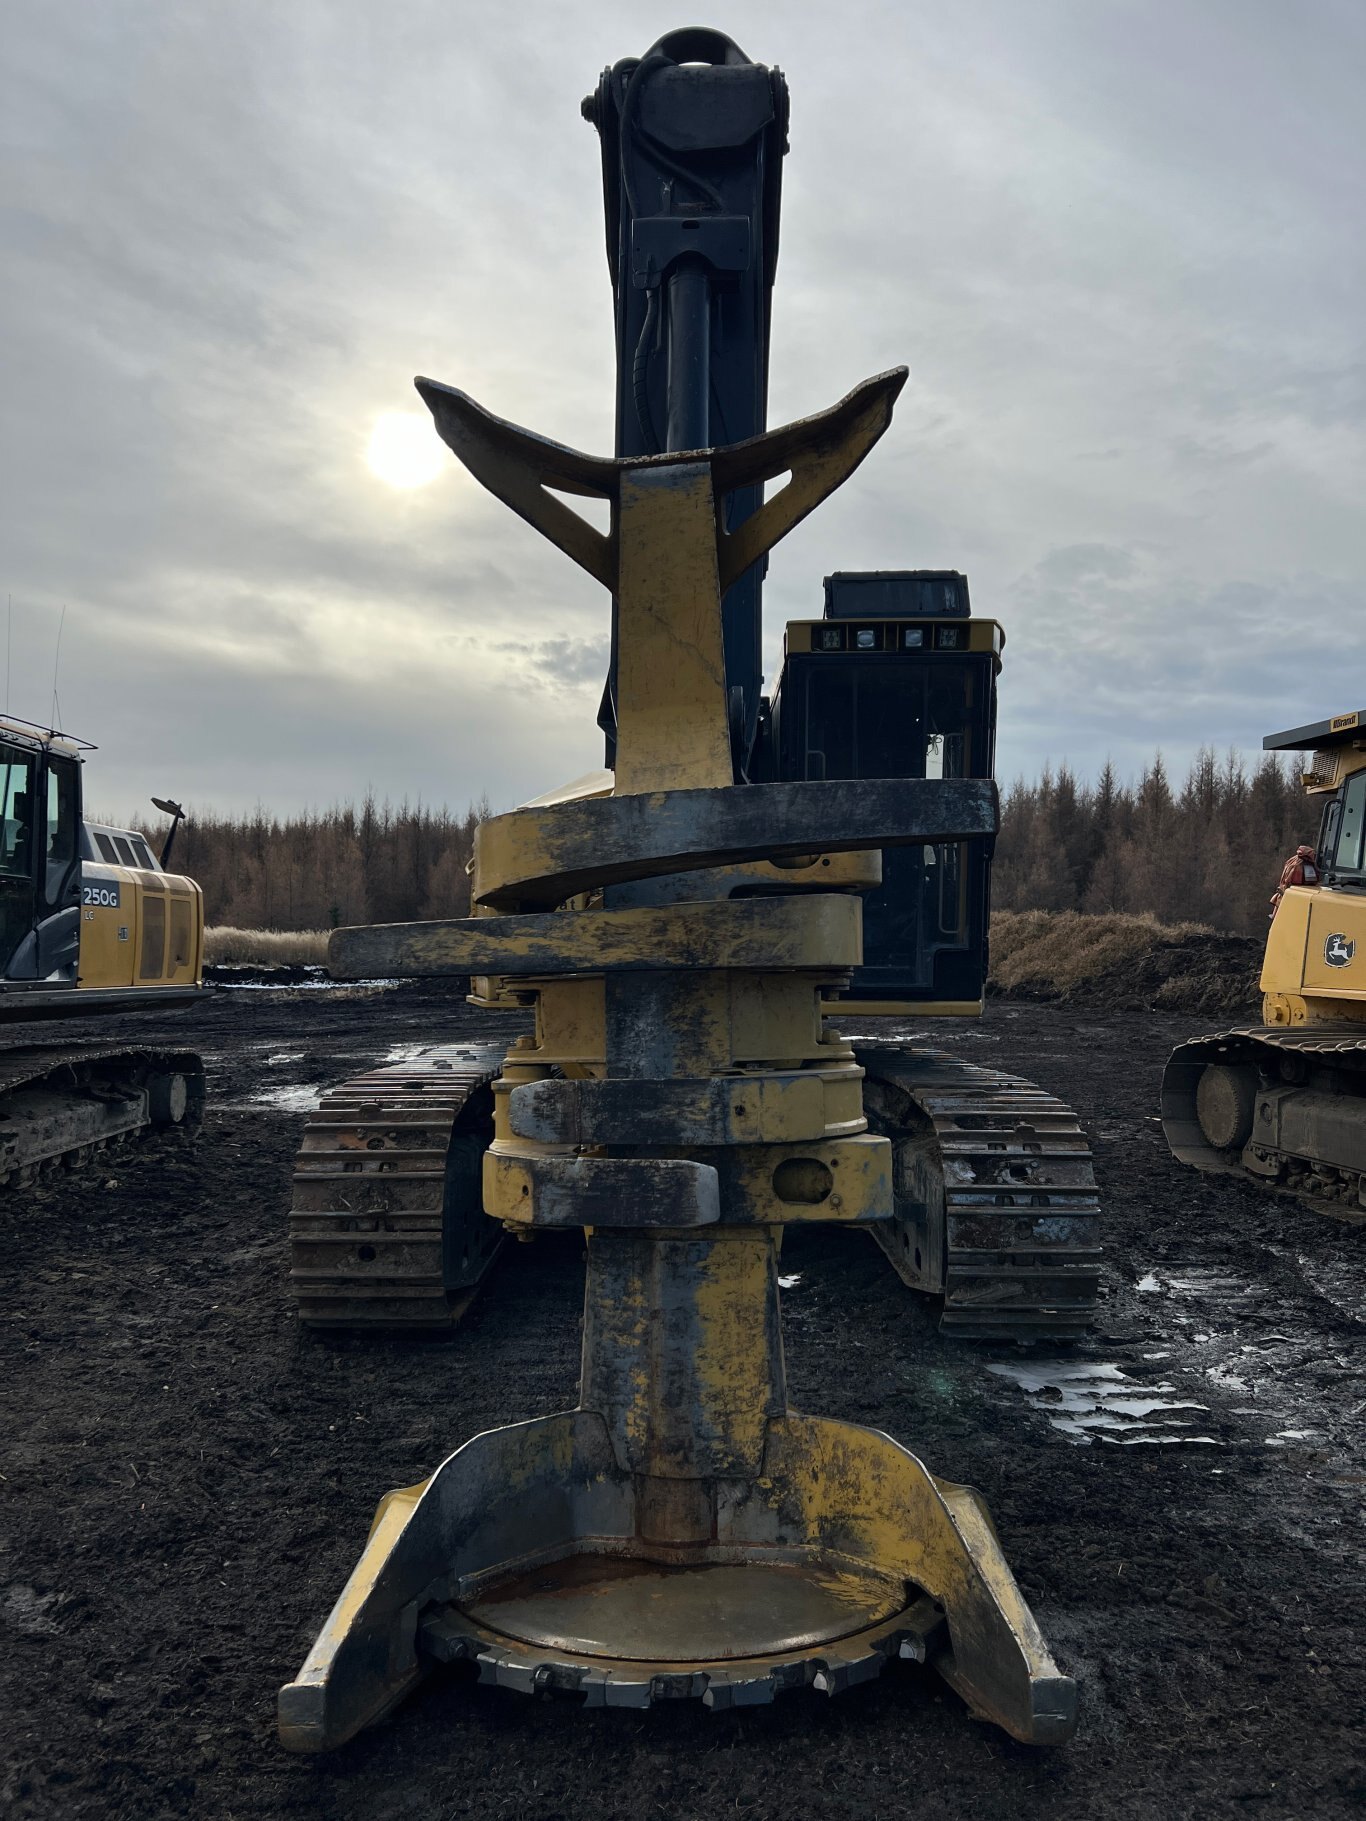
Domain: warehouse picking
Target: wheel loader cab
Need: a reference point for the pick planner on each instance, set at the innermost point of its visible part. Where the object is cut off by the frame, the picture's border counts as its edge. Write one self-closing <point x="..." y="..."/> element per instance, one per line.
<point x="897" y="681"/>
<point x="86" y="913"/>
<point x="1315" y="966"/>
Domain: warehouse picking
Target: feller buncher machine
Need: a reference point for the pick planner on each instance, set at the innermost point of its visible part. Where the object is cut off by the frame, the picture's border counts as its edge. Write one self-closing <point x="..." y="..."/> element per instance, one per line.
<point x="90" y="922"/>
<point x="995" y="1203"/>
<point x="688" y="930"/>
<point x="1284" y="1103"/>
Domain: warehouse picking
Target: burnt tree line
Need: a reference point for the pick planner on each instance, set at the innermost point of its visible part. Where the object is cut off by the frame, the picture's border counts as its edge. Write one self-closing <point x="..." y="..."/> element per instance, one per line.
<point x="318" y="870"/>
<point x="1209" y="850"/>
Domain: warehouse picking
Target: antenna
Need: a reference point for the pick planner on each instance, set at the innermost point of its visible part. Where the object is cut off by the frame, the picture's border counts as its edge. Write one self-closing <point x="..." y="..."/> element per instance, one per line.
<point x="56" y="660"/>
<point x="9" y="632"/>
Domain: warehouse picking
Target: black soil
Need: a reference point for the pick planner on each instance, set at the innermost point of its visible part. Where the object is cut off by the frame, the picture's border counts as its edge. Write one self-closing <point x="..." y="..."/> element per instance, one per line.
<point x="188" y="1479"/>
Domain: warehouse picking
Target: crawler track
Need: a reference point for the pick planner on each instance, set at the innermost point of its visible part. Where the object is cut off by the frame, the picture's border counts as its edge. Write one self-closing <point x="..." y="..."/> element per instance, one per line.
<point x="61" y="1103"/>
<point x="387" y="1227"/>
<point x="1320" y="1160"/>
<point x="996" y="1196"/>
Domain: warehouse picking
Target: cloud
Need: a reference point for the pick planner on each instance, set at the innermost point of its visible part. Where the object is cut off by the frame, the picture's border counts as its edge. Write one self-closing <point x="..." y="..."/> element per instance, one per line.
<point x="1118" y="247"/>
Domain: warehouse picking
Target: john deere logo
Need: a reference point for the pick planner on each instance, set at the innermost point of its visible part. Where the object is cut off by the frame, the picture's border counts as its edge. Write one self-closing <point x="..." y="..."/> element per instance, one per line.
<point x="1338" y="949"/>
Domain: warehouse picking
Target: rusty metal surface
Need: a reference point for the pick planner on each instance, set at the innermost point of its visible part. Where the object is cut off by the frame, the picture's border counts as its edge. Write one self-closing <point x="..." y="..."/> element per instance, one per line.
<point x="914" y="1634"/>
<point x="998" y="1204"/>
<point x="386" y="1225"/>
<point x="1308" y="1136"/>
<point x="534" y="859"/>
<point x="820" y="928"/>
<point x="620" y="1607"/>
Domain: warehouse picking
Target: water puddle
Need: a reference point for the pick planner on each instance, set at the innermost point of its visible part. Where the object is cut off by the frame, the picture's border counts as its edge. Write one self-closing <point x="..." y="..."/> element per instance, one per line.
<point x="1090" y="1401"/>
<point x="300" y="986"/>
<point x="298" y="1098"/>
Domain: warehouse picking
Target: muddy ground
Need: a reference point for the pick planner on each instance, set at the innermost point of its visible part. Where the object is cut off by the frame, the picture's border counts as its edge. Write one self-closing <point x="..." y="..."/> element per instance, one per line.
<point x="188" y="1478"/>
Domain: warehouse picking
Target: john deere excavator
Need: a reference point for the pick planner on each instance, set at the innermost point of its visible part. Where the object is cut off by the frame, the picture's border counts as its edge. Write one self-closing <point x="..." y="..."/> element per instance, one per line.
<point x="995" y="1206"/>
<point x="1284" y="1102"/>
<point x="90" y="923"/>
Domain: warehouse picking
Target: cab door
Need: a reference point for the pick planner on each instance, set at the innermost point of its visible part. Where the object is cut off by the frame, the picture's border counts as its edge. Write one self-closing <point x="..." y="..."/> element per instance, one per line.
<point x="59" y="898"/>
<point x="18" y="860"/>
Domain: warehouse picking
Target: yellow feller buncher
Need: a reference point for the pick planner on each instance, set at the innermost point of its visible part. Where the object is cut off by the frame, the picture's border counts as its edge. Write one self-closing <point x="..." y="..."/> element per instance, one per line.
<point x="994" y="1208"/>
<point x="1284" y="1102"/>
<point x="90" y="923"/>
<point x="682" y="936"/>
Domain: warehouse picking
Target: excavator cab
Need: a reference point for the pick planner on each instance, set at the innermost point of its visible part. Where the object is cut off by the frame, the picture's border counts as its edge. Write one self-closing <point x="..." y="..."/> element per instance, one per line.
<point x="89" y="920"/>
<point x="897" y="681"/>
<point x="40" y="875"/>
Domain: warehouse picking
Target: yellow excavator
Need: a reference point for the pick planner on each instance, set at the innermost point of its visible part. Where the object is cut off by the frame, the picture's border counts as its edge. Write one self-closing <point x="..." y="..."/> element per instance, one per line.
<point x="1284" y="1102"/>
<point x="91" y="922"/>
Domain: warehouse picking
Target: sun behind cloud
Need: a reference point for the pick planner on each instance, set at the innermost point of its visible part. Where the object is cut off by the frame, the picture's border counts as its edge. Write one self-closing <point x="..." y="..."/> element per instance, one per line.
<point x="404" y="450"/>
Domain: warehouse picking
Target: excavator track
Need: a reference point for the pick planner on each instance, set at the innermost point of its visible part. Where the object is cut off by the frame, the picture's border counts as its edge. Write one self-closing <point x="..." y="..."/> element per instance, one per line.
<point x="62" y="1103"/>
<point x="995" y="1192"/>
<point x="387" y="1224"/>
<point x="1284" y="1108"/>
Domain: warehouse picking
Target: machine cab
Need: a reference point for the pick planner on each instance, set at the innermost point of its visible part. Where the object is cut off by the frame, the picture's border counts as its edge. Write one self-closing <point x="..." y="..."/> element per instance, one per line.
<point x="40" y="870"/>
<point x="899" y="681"/>
<point x="81" y="906"/>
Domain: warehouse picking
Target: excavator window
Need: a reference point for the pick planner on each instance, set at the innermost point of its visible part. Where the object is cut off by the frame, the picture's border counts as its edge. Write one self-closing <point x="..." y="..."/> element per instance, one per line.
<point x="61" y="811"/>
<point x="16" y="797"/>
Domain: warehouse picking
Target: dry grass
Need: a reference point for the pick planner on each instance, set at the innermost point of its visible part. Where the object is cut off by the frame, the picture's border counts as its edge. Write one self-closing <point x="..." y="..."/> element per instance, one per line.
<point x="225" y="946"/>
<point x="1060" y="950"/>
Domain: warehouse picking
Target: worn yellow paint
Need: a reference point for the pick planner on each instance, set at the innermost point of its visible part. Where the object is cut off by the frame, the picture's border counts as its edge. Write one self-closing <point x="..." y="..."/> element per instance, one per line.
<point x="671" y="676"/>
<point x="1296" y="980"/>
<point x="732" y="1368"/>
<point x="855" y="1174"/>
<point x="812" y="930"/>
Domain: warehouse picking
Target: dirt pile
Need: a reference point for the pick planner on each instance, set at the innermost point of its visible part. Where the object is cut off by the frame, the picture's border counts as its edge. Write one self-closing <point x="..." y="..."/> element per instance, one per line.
<point x="1124" y="963"/>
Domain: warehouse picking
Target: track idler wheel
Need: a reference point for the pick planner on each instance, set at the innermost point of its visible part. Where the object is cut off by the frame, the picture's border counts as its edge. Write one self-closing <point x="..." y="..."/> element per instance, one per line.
<point x="1226" y="1103"/>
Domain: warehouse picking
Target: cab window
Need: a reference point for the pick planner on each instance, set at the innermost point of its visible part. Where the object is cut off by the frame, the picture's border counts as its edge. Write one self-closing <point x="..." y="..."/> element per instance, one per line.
<point x="61" y="811"/>
<point x="16" y="801"/>
<point x="1350" y="854"/>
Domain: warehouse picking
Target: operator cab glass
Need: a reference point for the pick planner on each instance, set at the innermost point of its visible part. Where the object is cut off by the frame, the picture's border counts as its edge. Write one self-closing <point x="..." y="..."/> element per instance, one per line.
<point x="1342" y="842"/>
<point x="872" y="692"/>
<point x="1335" y="745"/>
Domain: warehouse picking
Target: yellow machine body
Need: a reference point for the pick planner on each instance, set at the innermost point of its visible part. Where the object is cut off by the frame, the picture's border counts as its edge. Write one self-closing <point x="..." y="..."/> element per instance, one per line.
<point x="1285" y="1103"/>
<point x="140" y="927"/>
<point x="89" y="923"/>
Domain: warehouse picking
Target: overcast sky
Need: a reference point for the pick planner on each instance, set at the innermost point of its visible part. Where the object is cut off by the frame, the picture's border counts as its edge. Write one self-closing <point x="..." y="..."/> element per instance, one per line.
<point x="1119" y="244"/>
